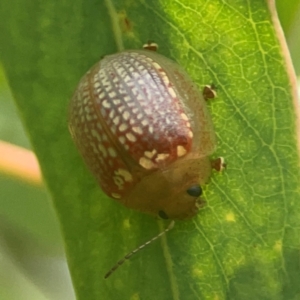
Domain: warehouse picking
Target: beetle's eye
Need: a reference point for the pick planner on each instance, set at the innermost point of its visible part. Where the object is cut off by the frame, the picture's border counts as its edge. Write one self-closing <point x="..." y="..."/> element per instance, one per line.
<point x="194" y="190"/>
<point x="163" y="215"/>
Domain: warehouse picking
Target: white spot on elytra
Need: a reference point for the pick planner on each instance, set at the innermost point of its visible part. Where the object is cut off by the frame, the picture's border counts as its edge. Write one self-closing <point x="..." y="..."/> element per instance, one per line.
<point x="101" y="95"/>
<point x="172" y="92"/>
<point x="112" y="152"/>
<point x="162" y="156"/>
<point x="113" y="129"/>
<point x="126" y="98"/>
<point x="165" y="79"/>
<point x="161" y="99"/>
<point x="139" y="97"/>
<point x="95" y="150"/>
<point x="112" y="94"/>
<point x="137" y="130"/>
<point x="102" y="150"/>
<point x="125" y="174"/>
<point x="96" y="135"/>
<point x="126" y="78"/>
<point x="115" y="195"/>
<point x="184" y="117"/>
<point x="119" y="182"/>
<point x="106" y="104"/>
<point x="156" y="65"/>
<point x="126" y="115"/>
<point x="121" y="108"/>
<point x="131" y="137"/>
<point x="111" y="114"/>
<point x="146" y="163"/>
<point x="181" y="151"/>
<point x="116" y="120"/>
<point x="106" y="84"/>
<point x="123" y="127"/>
<point x="145" y="122"/>
<point x="122" y="139"/>
<point x="116" y="101"/>
<point x="150" y="154"/>
<point x="134" y="91"/>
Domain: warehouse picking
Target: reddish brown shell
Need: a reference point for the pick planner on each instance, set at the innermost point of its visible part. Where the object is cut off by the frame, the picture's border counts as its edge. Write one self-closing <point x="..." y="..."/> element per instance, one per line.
<point x="143" y="129"/>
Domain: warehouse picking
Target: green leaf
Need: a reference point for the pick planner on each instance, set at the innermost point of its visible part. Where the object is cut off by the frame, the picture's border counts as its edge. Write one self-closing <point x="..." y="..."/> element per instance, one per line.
<point x="287" y="11"/>
<point x="245" y="243"/>
<point x="290" y="19"/>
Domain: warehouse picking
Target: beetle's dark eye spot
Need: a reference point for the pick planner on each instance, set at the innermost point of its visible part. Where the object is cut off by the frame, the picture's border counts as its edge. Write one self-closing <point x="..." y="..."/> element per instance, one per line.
<point x="194" y="190"/>
<point x="163" y="215"/>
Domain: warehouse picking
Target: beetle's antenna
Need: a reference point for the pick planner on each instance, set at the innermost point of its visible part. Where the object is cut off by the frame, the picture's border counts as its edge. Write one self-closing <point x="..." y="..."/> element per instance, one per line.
<point x="127" y="256"/>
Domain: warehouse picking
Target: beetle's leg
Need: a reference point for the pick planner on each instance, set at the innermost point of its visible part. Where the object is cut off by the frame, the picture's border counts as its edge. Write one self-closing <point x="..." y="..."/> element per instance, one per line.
<point x="150" y="46"/>
<point x="218" y="164"/>
<point x="209" y="92"/>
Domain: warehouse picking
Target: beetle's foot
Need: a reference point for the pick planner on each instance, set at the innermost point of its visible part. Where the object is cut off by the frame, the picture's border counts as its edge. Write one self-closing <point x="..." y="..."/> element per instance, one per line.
<point x="218" y="164"/>
<point x="150" y="46"/>
<point x="200" y="203"/>
<point x="209" y="92"/>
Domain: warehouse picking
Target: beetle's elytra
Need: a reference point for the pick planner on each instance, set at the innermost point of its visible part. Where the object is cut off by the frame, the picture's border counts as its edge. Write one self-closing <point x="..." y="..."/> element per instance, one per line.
<point x="143" y="129"/>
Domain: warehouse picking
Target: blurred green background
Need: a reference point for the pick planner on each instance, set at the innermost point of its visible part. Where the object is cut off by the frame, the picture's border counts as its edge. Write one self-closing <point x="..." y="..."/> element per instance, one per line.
<point x="32" y="264"/>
